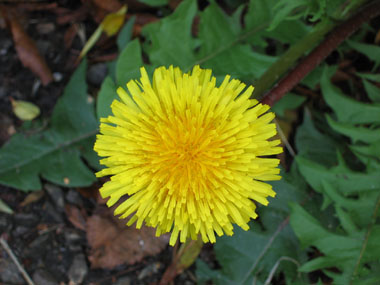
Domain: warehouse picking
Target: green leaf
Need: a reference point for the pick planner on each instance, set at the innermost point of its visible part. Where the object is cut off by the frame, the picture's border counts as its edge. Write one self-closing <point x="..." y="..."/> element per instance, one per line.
<point x="368" y="150"/>
<point x="221" y="51"/>
<point x="170" y="39"/>
<point x="253" y="253"/>
<point x="345" y="180"/>
<point x="106" y="96"/>
<point x="371" y="51"/>
<point x="283" y="10"/>
<point x="347" y="109"/>
<point x="363" y="134"/>
<point x="372" y="90"/>
<point x="129" y="63"/>
<point x="55" y="154"/>
<point x="125" y="34"/>
<point x="289" y="102"/>
<point x="155" y="3"/>
<point x="336" y="247"/>
<point x="369" y="76"/>
<point x="346" y="221"/>
<point x="313" y="144"/>
<point x="355" y="205"/>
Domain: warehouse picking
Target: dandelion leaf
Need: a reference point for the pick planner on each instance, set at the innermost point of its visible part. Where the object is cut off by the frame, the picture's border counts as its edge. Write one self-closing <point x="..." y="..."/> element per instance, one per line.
<point x="55" y="153"/>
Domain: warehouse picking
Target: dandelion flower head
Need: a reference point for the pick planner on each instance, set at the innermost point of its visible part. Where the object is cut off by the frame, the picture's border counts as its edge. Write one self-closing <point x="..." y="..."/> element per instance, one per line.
<point x="187" y="153"/>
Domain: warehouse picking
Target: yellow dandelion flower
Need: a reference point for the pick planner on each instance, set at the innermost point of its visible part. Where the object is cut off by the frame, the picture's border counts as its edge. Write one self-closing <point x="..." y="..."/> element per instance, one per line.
<point x="188" y="153"/>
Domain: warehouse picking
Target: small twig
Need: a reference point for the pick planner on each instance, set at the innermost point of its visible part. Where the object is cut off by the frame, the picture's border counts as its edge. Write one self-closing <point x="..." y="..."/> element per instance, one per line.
<point x="16" y="262"/>
<point x="285" y="140"/>
<point x="276" y="265"/>
<point x="332" y="41"/>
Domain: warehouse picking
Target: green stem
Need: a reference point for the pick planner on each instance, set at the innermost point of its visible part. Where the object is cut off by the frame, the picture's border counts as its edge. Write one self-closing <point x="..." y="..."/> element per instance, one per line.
<point x="290" y="57"/>
<point x="294" y="53"/>
<point x="331" y="42"/>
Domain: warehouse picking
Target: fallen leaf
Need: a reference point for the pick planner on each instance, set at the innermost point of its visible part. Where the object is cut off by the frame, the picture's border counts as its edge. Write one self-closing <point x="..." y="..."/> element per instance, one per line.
<point x="111" y="24"/>
<point x="32" y="197"/>
<point x="5" y="208"/>
<point x="113" y="243"/>
<point x="77" y="217"/>
<point x="26" y="48"/>
<point x="25" y="111"/>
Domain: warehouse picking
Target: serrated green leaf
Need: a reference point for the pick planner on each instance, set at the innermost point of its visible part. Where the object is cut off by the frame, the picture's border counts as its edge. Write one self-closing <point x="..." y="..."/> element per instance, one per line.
<point x="259" y="13"/>
<point x="221" y="51"/>
<point x="313" y="144"/>
<point x="129" y="63"/>
<point x="368" y="150"/>
<point x="125" y="34"/>
<point x="289" y="102"/>
<point x="171" y="41"/>
<point x="310" y="232"/>
<point x="362" y="134"/>
<point x="354" y="205"/>
<point x="283" y="10"/>
<point x="369" y="76"/>
<point x="371" y="51"/>
<point x="373" y="91"/>
<point x="346" y="221"/>
<point x="106" y="96"/>
<point x="345" y="180"/>
<point x="55" y="154"/>
<point x="347" y="109"/>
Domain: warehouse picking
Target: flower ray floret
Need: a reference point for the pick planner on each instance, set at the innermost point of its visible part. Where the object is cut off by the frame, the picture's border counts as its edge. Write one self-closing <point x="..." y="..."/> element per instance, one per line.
<point x="188" y="154"/>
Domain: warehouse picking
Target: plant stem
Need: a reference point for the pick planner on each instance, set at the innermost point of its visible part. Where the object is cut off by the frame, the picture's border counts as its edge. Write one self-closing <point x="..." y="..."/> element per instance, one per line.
<point x="367" y="235"/>
<point x="288" y="59"/>
<point x="332" y="41"/>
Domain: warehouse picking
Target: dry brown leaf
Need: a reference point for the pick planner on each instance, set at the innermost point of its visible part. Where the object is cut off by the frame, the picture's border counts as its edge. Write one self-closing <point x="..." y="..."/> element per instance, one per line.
<point x="26" y="48"/>
<point x="32" y="197"/>
<point x="77" y="217"/>
<point x="113" y="243"/>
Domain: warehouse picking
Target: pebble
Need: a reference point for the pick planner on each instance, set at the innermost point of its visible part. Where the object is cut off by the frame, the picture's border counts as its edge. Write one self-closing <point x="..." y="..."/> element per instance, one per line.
<point x="9" y="273"/>
<point x="149" y="270"/>
<point x="52" y="214"/>
<point x="78" y="269"/>
<point x="3" y="92"/>
<point x="73" y="197"/>
<point x="26" y="219"/>
<point x="38" y="245"/>
<point x="44" y="46"/>
<point x="45" y="28"/>
<point x="72" y="236"/>
<point x="4" y="223"/>
<point x="124" y="281"/>
<point x="20" y="231"/>
<point x="56" y="195"/>
<point x="5" y="44"/>
<point x="96" y="73"/>
<point x="43" y="277"/>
